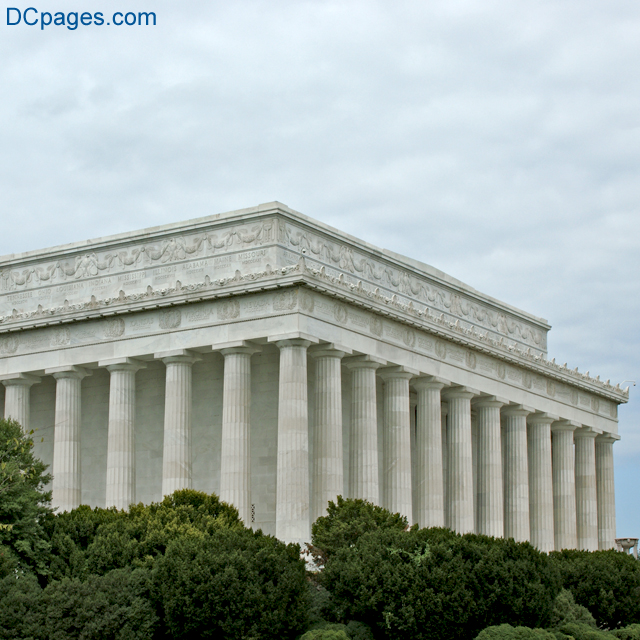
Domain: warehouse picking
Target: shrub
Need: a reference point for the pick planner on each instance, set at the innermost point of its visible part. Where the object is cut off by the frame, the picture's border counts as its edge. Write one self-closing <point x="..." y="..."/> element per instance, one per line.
<point x="232" y="584"/>
<point x="565" y="610"/>
<point x="345" y="522"/>
<point x="432" y="583"/>
<point x="632" y="632"/>
<point x="605" y="582"/>
<point x="579" y="631"/>
<point x="507" y="632"/>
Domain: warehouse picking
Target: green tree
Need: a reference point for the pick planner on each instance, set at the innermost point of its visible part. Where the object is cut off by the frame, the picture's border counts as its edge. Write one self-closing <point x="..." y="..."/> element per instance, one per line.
<point x="346" y="521"/>
<point x="24" y="503"/>
<point x="507" y="632"/>
<point x="232" y="584"/>
<point x="432" y="583"/>
<point x="95" y="541"/>
<point x="605" y="582"/>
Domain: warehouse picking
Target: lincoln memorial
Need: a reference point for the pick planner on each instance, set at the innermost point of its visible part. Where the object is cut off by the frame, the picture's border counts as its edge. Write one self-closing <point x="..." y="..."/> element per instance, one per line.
<point x="278" y="362"/>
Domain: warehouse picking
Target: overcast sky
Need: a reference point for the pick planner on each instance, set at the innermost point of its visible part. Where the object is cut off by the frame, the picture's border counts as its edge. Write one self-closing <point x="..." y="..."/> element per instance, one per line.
<point x="498" y="141"/>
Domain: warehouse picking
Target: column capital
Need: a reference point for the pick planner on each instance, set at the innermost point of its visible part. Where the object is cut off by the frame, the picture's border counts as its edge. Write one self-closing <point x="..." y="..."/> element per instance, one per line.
<point x="364" y="362"/>
<point x="19" y="379"/>
<point x="398" y="372"/>
<point x="489" y="401"/>
<point x="607" y="438"/>
<point x="122" y="364"/>
<point x="236" y="346"/>
<point x="564" y="425"/>
<point x="331" y="350"/>
<point x="541" y="418"/>
<point x="428" y="382"/>
<point x="178" y="355"/>
<point x="464" y="393"/>
<point x="585" y="432"/>
<point x="293" y="339"/>
<point x="71" y="371"/>
<point x="516" y="410"/>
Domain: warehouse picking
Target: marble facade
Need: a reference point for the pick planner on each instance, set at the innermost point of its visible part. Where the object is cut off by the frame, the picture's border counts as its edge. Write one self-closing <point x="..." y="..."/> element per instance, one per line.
<point x="278" y="362"/>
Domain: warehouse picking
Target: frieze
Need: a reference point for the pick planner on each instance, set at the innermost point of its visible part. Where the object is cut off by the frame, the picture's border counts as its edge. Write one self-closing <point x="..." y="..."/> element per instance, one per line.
<point x="337" y="256"/>
<point x="353" y="291"/>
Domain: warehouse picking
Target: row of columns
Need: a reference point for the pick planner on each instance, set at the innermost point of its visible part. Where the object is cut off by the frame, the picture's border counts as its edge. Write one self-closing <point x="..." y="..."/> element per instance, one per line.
<point x="531" y="482"/>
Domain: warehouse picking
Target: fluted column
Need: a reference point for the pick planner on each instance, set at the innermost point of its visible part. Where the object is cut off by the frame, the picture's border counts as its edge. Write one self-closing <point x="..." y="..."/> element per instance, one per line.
<point x="328" y="471"/>
<point x="363" y="447"/>
<point x="460" y="472"/>
<point x="397" y="442"/>
<point x="605" y="491"/>
<point x="292" y="493"/>
<point x="16" y="398"/>
<point x="429" y="486"/>
<point x="121" y="454"/>
<point x="235" y="460"/>
<point x="413" y="405"/>
<point x="444" y="412"/>
<point x="67" y="489"/>
<point x="586" y="497"/>
<point x="489" y="496"/>
<point x="540" y="482"/>
<point x="176" y="448"/>
<point x="564" y="485"/>
<point x="516" y="474"/>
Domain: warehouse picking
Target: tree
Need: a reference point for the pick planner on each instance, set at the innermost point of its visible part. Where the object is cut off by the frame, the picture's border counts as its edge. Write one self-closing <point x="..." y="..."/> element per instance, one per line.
<point x="24" y="503"/>
<point x="605" y="582"/>
<point x="232" y="584"/>
<point x="89" y="541"/>
<point x="432" y="583"/>
<point x="346" y="521"/>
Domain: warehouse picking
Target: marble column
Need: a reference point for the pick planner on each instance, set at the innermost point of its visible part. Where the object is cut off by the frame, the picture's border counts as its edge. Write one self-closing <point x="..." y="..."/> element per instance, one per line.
<point x="605" y="491"/>
<point x="235" y="459"/>
<point x="176" y="448"/>
<point x="413" y="405"/>
<point x="586" y="497"/>
<point x="327" y="468"/>
<point x="429" y="487"/>
<point x="67" y="489"/>
<point x="397" y="441"/>
<point x="292" y="492"/>
<point x="363" y="446"/>
<point x="564" y="485"/>
<point x="540" y="482"/>
<point x="444" y="412"/>
<point x="460" y="471"/>
<point x="516" y="474"/>
<point x="121" y="454"/>
<point x="16" y="399"/>
<point x="489" y="496"/>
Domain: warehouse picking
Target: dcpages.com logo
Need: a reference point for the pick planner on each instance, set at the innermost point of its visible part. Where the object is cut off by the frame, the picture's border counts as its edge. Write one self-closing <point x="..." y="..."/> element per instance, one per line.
<point x="31" y="17"/>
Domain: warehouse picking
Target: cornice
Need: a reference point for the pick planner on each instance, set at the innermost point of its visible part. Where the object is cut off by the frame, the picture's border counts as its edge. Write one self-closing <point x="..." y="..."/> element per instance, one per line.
<point x="337" y="287"/>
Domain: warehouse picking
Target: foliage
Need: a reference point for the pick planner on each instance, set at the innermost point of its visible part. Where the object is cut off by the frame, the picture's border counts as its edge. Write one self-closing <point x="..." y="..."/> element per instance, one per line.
<point x="632" y="632"/>
<point x="432" y="583"/>
<point x="232" y="584"/>
<point x="111" y="607"/>
<point x="605" y="582"/>
<point x="565" y="611"/>
<point x="345" y="522"/>
<point x="95" y="541"/>
<point x="579" y="631"/>
<point x="21" y="607"/>
<point x="507" y="632"/>
<point x="327" y="632"/>
<point x="23" y="502"/>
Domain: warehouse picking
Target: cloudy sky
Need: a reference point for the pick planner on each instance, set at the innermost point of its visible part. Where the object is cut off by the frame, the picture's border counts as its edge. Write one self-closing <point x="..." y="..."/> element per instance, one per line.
<point x="498" y="141"/>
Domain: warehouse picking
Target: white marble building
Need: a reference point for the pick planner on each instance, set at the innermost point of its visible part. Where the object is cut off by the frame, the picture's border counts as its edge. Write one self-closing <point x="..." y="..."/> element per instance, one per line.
<point x="264" y="356"/>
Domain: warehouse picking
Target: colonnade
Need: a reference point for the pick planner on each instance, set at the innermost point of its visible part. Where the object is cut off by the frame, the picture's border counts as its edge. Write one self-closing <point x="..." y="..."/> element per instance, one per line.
<point x="536" y="478"/>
